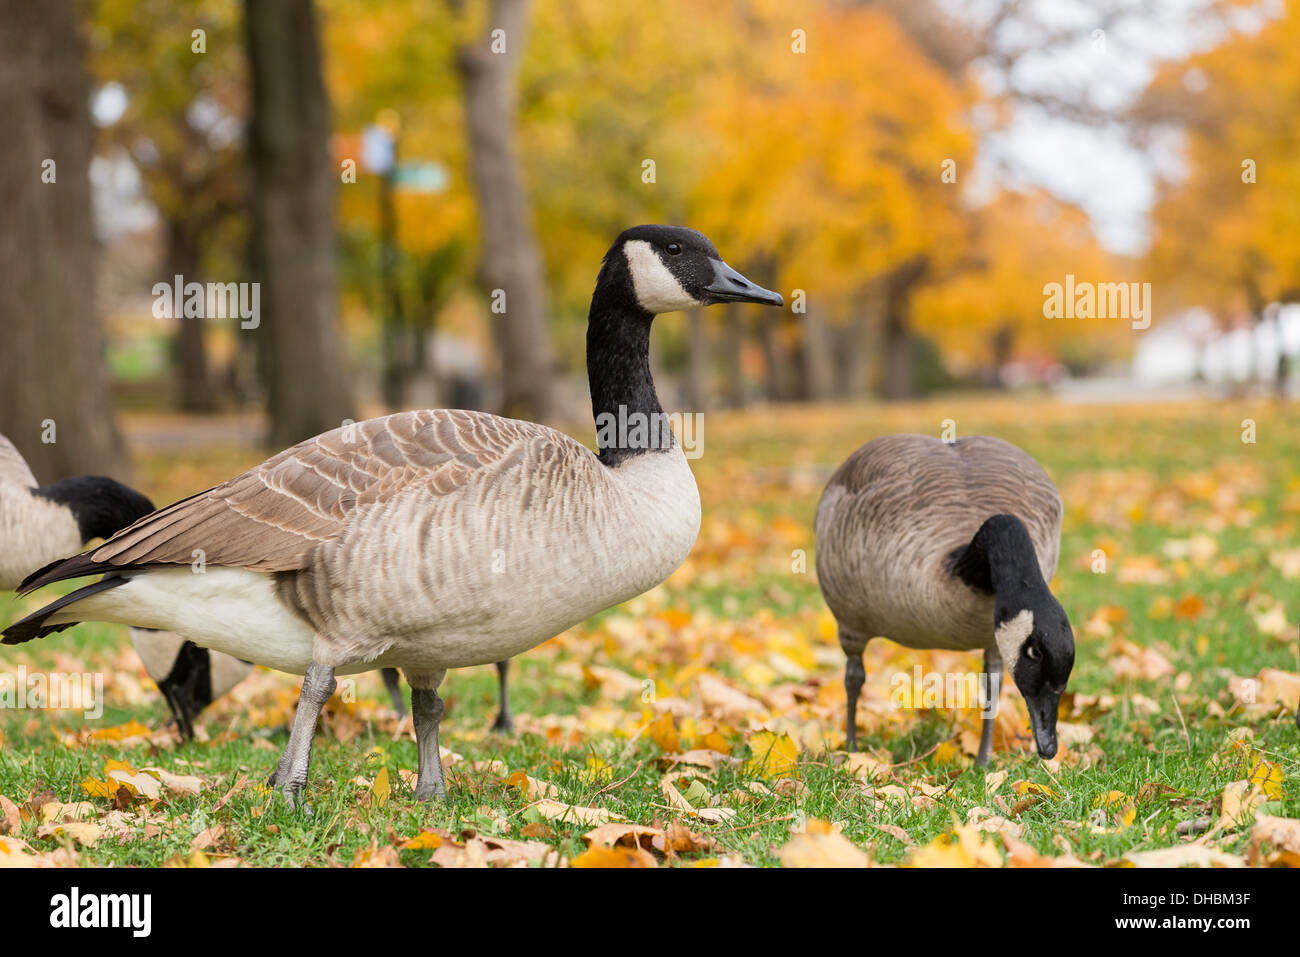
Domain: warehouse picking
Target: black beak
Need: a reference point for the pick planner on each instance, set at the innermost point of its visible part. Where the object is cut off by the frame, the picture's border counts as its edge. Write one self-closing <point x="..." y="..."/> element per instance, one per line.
<point x="730" y="286"/>
<point x="1042" y="717"/>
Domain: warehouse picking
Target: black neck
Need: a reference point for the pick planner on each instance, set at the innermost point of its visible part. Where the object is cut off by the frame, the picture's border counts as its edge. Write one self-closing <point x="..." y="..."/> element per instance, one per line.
<point x="1000" y="559"/>
<point x="100" y="505"/>
<point x="629" y="419"/>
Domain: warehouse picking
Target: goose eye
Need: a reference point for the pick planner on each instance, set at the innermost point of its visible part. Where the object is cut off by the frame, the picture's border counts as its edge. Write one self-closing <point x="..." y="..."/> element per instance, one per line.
<point x="674" y="249"/>
<point x="1032" y="652"/>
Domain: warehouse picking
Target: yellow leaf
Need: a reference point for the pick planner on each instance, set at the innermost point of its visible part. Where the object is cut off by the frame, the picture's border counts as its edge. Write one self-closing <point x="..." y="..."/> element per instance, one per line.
<point x="1029" y="787"/>
<point x="663" y="732"/>
<point x="775" y="756"/>
<point x="83" y="832"/>
<point x="964" y="846"/>
<point x="614" y="857"/>
<point x="820" y="846"/>
<point x="1120" y="805"/>
<point x="121" y="732"/>
<point x="380" y="788"/>
<point x="532" y="788"/>
<point x="1268" y="778"/>
<point x="424" y="841"/>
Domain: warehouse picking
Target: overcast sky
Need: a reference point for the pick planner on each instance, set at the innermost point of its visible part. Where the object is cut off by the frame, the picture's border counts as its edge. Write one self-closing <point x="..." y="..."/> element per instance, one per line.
<point x="1097" y="167"/>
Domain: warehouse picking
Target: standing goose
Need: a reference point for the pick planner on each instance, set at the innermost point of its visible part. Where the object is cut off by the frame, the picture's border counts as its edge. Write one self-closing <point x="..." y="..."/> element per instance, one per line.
<point x="434" y="539"/>
<point x="949" y="545"/>
<point x="43" y="524"/>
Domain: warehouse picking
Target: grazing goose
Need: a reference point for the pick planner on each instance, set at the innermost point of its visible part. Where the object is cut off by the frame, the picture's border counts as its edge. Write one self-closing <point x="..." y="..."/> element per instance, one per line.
<point x="42" y="524"/>
<point x="434" y="539"/>
<point x="949" y="545"/>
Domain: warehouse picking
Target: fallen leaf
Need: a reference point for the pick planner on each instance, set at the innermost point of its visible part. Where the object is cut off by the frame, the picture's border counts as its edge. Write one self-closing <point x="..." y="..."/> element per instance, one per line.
<point x="964" y="846"/>
<point x="1184" y="855"/>
<point x="379" y="790"/>
<point x="614" y="857"/>
<point x="821" y="846"/>
<point x="559" y="811"/>
<point x="616" y="834"/>
<point x="775" y="756"/>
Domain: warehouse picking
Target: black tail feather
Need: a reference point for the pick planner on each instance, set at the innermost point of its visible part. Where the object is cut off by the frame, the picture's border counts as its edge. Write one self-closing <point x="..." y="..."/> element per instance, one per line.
<point x="33" y="626"/>
<point x="78" y="566"/>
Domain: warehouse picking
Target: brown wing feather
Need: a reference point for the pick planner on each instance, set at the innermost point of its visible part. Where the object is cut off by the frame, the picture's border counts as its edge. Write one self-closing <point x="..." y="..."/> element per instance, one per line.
<point x="272" y="517"/>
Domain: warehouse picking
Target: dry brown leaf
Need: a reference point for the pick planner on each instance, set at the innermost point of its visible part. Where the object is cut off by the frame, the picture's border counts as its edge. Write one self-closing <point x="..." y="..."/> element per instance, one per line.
<point x="1184" y="855"/>
<point x="1281" y="834"/>
<point x="207" y="838"/>
<point x="376" y="855"/>
<point x="569" y="813"/>
<point x="615" y="834"/>
<point x="721" y="699"/>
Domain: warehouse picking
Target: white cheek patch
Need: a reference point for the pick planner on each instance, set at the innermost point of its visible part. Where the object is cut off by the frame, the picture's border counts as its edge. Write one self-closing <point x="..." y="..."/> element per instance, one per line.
<point x="1010" y="635"/>
<point x="657" y="289"/>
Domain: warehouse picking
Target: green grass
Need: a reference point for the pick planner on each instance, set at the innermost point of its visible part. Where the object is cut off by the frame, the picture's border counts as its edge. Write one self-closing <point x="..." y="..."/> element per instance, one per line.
<point x="1175" y="472"/>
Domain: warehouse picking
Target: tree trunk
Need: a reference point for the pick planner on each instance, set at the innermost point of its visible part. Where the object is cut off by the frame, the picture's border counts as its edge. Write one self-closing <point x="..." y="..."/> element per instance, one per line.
<point x="776" y="381"/>
<point x="54" y="392"/>
<point x="304" y="368"/>
<point x="733" y="355"/>
<point x="397" y="358"/>
<point x="855" y="357"/>
<point x="511" y="264"/>
<point x="899" y="347"/>
<point x="818" y="356"/>
<point x="194" y="391"/>
<point x="1001" y="344"/>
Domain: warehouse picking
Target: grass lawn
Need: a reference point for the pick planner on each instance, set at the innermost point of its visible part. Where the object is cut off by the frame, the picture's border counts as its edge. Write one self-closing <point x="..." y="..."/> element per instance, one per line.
<point x="711" y="710"/>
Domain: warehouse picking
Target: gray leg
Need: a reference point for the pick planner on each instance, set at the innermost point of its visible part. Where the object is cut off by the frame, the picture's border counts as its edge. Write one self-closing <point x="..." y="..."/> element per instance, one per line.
<point x="991" y="684"/>
<point x="504" y="722"/>
<point x="426" y="713"/>
<point x="855" y="674"/>
<point x="291" y="773"/>
<point x="393" y="682"/>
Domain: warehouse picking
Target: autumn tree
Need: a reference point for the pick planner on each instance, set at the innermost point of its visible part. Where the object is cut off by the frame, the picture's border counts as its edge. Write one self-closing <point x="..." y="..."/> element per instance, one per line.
<point x="985" y="315"/>
<point x="841" y="187"/>
<point x="1228" y="223"/>
<point x="292" y="213"/>
<point x="510" y="270"/>
<point x="185" y="86"/>
<point x="55" y="404"/>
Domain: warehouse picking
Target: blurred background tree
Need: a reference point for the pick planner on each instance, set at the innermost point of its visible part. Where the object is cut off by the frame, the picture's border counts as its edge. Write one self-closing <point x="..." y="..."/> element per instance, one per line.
<point x="424" y="190"/>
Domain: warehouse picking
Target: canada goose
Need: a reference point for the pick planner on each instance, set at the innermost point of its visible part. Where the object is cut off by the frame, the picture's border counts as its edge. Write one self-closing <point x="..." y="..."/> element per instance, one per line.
<point x="42" y="524"/>
<point x="434" y="539"/>
<point x="949" y="545"/>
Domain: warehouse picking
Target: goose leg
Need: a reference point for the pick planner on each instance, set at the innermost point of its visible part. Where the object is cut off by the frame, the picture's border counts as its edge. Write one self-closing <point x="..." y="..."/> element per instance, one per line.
<point x="991" y="682"/>
<point x="393" y="682"/>
<point x="426" y="713"/>
<point x="855" y="674"/>
<point x="504" y="722"/>
<point x="291" y="773"/>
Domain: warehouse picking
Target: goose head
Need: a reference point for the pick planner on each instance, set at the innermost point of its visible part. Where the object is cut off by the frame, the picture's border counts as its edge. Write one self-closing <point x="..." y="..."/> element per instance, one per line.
<point x="666" y="268"/>
<point x="1036" y="643"/>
